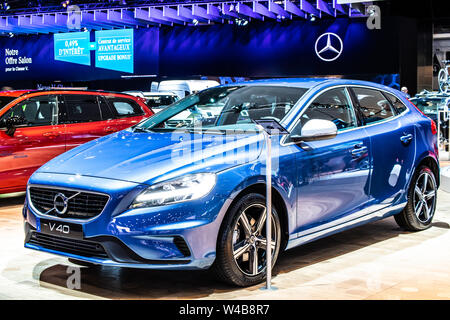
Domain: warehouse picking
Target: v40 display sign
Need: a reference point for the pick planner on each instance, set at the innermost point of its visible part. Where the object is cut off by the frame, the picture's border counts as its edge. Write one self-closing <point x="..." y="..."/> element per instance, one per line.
<point x="114" y="49"/>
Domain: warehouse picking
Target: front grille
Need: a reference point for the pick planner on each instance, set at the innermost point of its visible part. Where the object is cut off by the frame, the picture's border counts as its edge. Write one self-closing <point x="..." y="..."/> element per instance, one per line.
<point x="79" y="247"/>
<point x="81" y="205"/>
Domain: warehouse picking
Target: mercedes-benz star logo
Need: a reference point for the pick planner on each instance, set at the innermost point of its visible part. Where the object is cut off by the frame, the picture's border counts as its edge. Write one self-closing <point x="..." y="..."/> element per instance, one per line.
<point x="331" y="49"/>
<point x="61" y="203"/>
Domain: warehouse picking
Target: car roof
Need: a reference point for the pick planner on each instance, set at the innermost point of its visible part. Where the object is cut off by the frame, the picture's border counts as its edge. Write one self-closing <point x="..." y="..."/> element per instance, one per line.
<point x="308" y="83"/>
<point x="19" y="93"/>
<point x="14" y="93"/>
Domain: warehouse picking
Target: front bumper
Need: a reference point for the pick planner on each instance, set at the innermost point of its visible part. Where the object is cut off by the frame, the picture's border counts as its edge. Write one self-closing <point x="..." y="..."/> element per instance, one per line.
<point x="179" y="236"/>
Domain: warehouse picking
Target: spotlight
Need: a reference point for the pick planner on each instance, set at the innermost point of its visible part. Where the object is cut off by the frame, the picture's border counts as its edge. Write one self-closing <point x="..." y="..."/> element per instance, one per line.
<point x="5" y="6"/>
<point x="84" y="29"/>
<point x="10" y="35"/>
<point x="195" y="22"/>
<point x="241" y="22"/>
<point x="312" y="17"/>
<point x="65" y="3"/>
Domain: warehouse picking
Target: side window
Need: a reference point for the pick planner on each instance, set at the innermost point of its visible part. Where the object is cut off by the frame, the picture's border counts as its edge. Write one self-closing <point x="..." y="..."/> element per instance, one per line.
<point x="37" y="111"/>
<point x="82" y="108"/>
<point x="333" y="105"/>
<point x="373" y="105"/>
<point x="398" y="105"/>
<point x="125" y="107"/>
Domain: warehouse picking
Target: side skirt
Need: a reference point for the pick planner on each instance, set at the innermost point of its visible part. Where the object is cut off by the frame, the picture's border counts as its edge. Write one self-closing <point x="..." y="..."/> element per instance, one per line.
<point x="342" y="225"/>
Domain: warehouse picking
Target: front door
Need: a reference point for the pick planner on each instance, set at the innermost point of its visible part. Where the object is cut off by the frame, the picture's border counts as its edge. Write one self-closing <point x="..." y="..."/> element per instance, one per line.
<point x="333" y="174"/>
<point x="36" y="142"/>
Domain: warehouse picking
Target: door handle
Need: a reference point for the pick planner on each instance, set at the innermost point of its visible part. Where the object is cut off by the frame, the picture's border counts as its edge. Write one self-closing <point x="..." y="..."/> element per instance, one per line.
<point x="406" y="139"/>
<point x="51" y="135"/>
<point x="109" y="129"/>
<point x="359" y="150"/>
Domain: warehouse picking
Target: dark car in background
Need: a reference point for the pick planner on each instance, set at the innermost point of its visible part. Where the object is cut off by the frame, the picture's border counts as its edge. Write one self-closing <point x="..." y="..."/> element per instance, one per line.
<point x="36" y="126"/>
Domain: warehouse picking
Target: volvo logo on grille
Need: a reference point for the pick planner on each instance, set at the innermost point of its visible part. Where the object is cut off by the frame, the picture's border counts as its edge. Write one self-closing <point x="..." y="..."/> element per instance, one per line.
<point x="60" y="203"/>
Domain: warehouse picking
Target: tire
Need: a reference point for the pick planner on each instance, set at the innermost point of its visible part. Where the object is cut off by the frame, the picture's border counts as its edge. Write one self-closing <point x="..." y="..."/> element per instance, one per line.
<point x="244" y="270"/>
<point x="419" y="211"/>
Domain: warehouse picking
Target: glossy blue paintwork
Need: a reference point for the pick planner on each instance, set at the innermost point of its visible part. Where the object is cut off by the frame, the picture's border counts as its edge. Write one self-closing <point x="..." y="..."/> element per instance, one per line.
<point x="323" y="190"/>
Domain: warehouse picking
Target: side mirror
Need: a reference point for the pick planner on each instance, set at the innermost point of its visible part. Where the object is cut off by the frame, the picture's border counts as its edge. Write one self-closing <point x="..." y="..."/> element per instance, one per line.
<point x="315" y="130"/>
<point x="11" y="123"/>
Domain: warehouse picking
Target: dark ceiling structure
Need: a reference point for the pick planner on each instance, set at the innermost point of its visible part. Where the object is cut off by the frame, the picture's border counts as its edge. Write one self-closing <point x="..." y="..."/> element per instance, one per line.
<point x="41" y="17"/>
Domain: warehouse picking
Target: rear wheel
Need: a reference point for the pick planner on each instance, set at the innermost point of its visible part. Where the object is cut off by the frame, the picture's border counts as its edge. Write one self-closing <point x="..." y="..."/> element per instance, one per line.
<point x="419" y="211"/>
<point x="241" y="249"/>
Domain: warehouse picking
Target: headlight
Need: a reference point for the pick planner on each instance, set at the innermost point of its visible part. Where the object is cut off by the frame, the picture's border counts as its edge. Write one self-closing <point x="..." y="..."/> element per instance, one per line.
<point x="189" y="187"/>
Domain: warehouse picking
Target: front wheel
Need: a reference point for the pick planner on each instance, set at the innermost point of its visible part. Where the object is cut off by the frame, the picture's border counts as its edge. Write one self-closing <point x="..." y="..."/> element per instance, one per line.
<point x="241" y="249"/>
<point x="421" y="206"/>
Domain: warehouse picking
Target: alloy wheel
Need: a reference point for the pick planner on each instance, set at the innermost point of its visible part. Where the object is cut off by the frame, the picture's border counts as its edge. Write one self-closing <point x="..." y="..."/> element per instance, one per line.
<point x="250" y="240"/>
<point x="425" y="197"/>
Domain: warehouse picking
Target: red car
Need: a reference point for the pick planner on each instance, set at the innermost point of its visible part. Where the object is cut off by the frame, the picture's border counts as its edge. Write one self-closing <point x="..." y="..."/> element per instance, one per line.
<point x="36" y="126"/>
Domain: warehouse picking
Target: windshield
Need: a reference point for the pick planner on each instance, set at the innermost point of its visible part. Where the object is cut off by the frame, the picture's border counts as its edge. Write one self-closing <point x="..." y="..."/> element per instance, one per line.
<point x="226" y="108"/>
<point x="428" y="106"/>
<point x="160" y="101"/>
<point x="5" y="100"/>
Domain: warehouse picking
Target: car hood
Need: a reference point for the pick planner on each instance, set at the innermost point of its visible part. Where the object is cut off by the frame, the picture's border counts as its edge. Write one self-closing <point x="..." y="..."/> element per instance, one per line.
<point x="153" y="157"/>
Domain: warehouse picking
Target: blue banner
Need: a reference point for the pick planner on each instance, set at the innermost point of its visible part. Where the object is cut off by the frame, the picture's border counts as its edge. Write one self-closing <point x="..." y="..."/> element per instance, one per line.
<point x="115" y="50"/>
<point x="73" y="47"/>
<point x="293" y="48"/>
<point x="80" y="56"/>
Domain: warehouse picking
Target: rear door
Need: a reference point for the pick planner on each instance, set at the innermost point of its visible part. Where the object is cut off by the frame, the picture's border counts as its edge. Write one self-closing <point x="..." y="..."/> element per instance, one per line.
<point x="84" y="120"/>
<point x="33" y="144"/>
<point x="392" y="144"/>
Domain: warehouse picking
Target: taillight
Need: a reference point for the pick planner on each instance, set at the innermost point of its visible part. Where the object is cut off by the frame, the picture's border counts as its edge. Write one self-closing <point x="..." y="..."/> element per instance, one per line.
<point x="433" y="127"/>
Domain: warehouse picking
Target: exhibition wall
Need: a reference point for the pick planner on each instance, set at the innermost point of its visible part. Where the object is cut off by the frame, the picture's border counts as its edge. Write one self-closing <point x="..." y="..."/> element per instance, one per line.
<point x="260" y="49"/>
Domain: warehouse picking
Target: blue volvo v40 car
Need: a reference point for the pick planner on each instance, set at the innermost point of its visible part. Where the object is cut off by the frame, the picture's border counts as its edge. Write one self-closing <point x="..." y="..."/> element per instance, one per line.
<point x="185" y="189"/>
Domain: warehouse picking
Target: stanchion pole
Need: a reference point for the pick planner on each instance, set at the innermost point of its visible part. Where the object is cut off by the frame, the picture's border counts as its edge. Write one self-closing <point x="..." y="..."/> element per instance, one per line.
<point x="268" y="211"/>
<point x="446" y="119"/>
<point x="277" y="129"/>
<point x="444" y="116"/>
